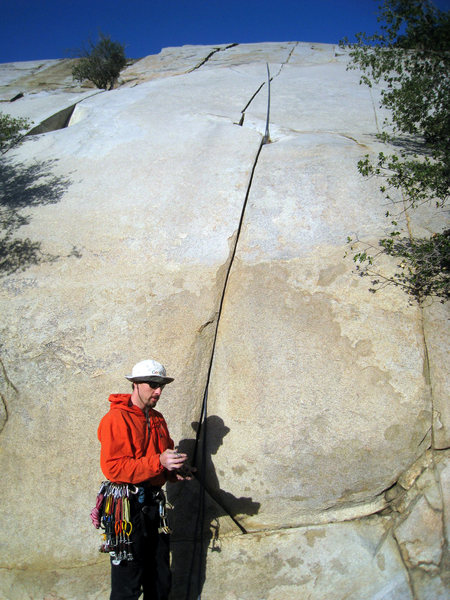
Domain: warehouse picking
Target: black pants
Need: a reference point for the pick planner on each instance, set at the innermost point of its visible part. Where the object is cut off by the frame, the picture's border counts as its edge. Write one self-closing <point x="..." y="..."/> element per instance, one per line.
<point x="149" y="571"/>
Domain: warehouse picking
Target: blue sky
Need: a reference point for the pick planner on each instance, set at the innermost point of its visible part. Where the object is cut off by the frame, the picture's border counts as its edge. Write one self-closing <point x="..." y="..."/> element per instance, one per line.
<point x="42" y="29"/>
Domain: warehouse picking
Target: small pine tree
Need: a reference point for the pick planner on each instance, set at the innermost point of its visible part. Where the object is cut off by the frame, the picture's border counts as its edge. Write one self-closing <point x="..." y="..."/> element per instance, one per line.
<point x="101" y="63"/>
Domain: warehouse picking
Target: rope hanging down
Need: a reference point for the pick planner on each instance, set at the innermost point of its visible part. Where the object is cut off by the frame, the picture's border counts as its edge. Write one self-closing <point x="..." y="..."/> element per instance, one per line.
<point x="266" y="138"/>
<point x="202" y="422"/>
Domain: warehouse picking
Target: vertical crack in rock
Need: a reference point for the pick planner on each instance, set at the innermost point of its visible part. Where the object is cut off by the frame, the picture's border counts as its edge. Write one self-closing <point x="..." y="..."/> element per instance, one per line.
<point x="374" y="111"/>
<point x="214" y="51"/>
<point x="404" y="509"/>
<point x="219" y="313"/>
<point x="428" y="377"/>
<point x="294" y="46"/>
<point x="426" y="366"/>
<point x="217" y="322"/>
<point x="4" y="418"/>
<point x="405" y="566"/>
<point x="290" y="53"/>
<point x="241" y="120"/>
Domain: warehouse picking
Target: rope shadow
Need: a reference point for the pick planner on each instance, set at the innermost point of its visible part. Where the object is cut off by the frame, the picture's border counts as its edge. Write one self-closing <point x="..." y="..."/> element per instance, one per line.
<point x="198" y="507"/>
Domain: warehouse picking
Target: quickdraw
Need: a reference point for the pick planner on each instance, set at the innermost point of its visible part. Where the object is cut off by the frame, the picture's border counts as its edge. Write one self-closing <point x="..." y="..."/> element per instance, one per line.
<point x="163" y="524"/>
<point x="112" y="514"/>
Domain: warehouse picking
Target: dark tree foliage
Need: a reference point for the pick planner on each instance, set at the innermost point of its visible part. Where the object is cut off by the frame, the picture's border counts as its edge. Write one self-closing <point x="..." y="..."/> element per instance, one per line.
<point x="22" y="187"/>
<point x="101" y="63"/>
<point x="410" y="56"/>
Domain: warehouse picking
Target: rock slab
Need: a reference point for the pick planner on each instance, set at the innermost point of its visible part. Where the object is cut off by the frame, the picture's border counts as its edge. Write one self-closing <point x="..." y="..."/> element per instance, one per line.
<point x="162" y="226"/>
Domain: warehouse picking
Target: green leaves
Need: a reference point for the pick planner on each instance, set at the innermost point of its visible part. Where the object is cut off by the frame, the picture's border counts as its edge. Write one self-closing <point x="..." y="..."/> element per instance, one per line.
<point x="101" y="63"/>
<point x="410" y="57"/>
<point x="11" y="131"/>
<point x="425" y="268"/>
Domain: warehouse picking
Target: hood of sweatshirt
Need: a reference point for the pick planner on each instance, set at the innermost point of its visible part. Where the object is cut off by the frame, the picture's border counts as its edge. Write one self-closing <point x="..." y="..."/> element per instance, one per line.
<point x="123" y="402"/>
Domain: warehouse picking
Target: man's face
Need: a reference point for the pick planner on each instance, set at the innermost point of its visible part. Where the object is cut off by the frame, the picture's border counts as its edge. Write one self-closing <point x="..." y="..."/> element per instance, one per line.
<point x="149" y="393"/>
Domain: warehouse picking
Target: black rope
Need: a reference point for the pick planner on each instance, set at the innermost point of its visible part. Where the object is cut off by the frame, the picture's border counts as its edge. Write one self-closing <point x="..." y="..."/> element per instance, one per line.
<point x="202" y="427"/>
<point x="200" y="519"/>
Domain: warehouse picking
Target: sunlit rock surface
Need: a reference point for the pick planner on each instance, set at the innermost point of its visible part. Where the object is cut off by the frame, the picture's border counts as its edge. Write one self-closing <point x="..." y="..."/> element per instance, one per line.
<point x="151" y="221"/>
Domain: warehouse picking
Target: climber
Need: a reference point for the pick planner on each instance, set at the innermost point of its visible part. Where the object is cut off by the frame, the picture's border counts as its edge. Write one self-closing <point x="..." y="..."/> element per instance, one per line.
<point x="138" y="456"/>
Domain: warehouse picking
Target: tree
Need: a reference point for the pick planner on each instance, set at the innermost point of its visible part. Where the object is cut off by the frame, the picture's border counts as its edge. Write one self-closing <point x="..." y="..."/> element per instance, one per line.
<point x="411" y="57"/>
<point x="101" y="63"/>
<point x="11" y="131"/>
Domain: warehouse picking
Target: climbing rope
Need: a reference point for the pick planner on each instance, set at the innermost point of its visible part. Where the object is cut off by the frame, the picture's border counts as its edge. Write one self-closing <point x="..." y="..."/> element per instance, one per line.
<point x="202" y="423"/>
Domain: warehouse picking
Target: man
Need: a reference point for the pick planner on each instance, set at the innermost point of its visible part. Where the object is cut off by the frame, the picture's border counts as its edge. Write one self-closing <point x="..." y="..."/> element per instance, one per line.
<point x="136" y="448"/>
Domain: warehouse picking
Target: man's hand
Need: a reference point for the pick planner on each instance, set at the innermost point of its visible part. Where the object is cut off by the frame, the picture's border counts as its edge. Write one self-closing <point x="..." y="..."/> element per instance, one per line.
<point x="185" y="473"/>
<point x="172" y="460"/>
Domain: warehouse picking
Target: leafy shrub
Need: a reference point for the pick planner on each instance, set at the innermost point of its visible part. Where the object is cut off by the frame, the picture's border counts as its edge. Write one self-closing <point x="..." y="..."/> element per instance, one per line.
<point x="101" y="63"/>
<point x="11" y="131"/>
<point x="423" y="269"/>
<point x="411" y="57"/>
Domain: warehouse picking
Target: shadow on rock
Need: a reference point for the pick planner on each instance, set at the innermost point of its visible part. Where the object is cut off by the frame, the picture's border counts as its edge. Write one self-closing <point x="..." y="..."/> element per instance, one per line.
<point x="23" y="187"/>
<point x="198" y="506"/>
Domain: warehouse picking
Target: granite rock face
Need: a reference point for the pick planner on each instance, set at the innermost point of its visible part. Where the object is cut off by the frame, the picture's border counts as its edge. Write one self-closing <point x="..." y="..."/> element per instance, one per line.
<point x="170" y="218"/>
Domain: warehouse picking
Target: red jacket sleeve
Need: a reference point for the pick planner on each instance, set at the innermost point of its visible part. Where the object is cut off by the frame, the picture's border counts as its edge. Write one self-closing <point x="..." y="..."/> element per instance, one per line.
<point x="119" y="459"/>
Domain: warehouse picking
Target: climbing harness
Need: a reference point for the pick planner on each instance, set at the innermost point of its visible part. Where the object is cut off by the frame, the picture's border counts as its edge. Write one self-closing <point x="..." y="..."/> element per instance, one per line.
<point x="113" y="515"/>
<point x="159" y="498"/>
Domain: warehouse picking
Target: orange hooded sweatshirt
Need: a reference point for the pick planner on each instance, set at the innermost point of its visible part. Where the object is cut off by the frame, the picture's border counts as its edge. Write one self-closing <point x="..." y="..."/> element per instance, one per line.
<point x="128" y="453"/>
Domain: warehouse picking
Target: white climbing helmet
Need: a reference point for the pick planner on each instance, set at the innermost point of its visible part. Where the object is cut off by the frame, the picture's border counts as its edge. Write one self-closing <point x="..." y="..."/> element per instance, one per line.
<point x="149" y="370"/>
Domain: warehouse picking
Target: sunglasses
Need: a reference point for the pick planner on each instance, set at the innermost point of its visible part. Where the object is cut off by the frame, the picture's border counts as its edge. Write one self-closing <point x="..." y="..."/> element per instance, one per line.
<point x="154" y="385"/>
